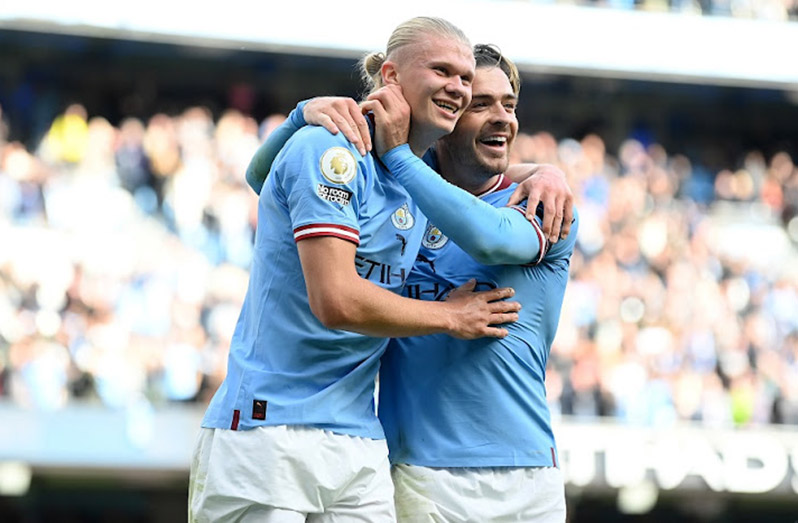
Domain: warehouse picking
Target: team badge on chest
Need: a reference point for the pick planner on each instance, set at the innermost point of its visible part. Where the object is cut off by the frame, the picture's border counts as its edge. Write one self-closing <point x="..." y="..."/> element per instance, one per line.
<point x="434" y="238"/>
<point x="402" y="219"/>
<point x="338" y="165"/>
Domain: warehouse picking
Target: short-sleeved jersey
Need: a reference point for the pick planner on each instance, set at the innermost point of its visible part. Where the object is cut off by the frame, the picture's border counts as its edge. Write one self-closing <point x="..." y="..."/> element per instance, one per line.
<point x="446" y="402"/>
<point x="284" y="366"/>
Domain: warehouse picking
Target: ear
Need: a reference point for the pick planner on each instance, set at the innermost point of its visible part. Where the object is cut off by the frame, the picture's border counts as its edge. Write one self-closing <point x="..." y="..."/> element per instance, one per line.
<point x="389" y="72"/>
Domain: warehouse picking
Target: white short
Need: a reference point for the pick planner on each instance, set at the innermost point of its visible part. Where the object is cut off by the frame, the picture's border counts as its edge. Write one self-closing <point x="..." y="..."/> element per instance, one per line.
<point x="286" y="474"/>
<point x="448" y="495"/>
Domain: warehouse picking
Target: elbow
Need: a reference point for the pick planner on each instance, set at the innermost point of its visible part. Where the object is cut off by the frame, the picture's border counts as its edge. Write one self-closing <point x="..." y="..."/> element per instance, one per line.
<point x="480" y="249"/>
<point x="494" y="255"/>
<point x="332" y="312"/>
<point x="253" y="180"/>
<point x="486" y="257"/>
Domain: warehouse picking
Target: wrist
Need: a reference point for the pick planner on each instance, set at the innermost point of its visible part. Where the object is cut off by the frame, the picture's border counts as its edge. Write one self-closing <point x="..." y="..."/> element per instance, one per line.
<point x="393" y="157"/>
<point x="297" y="116"/>
<point x="448" y="318"/>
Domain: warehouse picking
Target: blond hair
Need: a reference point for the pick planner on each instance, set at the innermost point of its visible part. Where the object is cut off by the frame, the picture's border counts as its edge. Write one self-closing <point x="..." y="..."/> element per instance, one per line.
<point x="406" y="33"/>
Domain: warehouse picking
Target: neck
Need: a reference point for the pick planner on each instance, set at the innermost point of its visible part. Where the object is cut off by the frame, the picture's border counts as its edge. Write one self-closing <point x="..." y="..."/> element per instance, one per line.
<point x="470" y="178"/>
<point x="419" y="142"/>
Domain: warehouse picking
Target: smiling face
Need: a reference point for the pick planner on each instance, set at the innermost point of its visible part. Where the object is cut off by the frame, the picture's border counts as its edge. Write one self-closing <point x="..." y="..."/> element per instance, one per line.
<point x="481" y="141"/>
<point x="435" y="75"/>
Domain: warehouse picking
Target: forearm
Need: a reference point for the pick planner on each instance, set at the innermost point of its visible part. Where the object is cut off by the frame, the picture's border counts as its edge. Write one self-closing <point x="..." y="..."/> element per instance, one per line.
<point x="261" y="163"/>
<point x="491" y="235"/>
<point x="341" y="299"/>
<point x="520" y="172"/>
<point x="360" y="306"/>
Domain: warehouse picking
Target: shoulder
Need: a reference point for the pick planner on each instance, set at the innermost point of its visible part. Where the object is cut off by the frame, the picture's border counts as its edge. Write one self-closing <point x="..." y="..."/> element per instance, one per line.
<point x="312" y="137"/>
<point x="315" y="149"/>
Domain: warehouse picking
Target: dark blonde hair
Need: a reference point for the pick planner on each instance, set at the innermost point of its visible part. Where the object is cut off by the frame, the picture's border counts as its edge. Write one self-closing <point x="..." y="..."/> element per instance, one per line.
<point x="489" y="55"/>
<point x="406" y="33"/>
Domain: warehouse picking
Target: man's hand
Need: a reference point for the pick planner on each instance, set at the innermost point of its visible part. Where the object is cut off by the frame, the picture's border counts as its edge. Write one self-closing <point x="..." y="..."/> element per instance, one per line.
<point x="391" y="117"/>
<point x="476" y="312"/>
<point x="544" y="183"/>
<point x="338" y="113"/>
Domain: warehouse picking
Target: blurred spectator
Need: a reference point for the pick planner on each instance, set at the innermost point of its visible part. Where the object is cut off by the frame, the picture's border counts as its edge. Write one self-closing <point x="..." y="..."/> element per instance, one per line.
<point x="128" y="249"/>
<point x="778" y="10"/>
<point x="66" y="140"/>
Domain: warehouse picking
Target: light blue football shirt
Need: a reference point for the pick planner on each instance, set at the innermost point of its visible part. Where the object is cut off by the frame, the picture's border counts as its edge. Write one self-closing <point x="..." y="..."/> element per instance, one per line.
<point x="284" y="366"/>
<point x="446" y="402"/>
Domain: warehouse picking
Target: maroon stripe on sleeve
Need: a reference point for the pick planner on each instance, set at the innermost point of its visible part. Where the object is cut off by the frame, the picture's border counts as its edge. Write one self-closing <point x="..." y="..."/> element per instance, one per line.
<point x="541" y="238"/>
<point x="316" y="230"/>
<point x="335" y="225"/>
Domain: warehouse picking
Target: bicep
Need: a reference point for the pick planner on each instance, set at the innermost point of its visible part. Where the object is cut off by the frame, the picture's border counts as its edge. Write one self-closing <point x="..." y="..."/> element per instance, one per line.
<point x="327" y="263"/>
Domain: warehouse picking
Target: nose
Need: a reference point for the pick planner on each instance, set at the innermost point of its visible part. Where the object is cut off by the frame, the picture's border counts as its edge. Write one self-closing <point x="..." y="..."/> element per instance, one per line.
<point x="500" y="115"/>
<point x="457" y="86"/>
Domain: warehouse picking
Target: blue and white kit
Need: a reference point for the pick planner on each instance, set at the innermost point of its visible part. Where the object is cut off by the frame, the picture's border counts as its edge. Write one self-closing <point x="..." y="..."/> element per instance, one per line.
<point x="285" y="367"/>
<point x="446" y="402"/>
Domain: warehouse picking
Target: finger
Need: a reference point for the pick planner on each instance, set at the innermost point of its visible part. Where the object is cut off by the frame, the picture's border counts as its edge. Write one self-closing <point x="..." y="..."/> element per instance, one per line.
<point x="549" y="211"/>
<point x="495" y="332"/>
<point x="468" y="286"/>
<point x="376" y="108"/>
<point x="498" y="294"/>
<point x="501" y="319"/>
<point x="361" y="125"/>
<point x="501" y="307"/>
<point x="568" y="217"/>
<point x="556" y="224"/>
<point x="532" y="201"/>
<point x="327" y="122"/>
<point x="387" y="96"/>
<point x="519" y="195"/>
<point x="367" y="106"/>
<point x="350" y="131"/>
<point x="384" y="98"/>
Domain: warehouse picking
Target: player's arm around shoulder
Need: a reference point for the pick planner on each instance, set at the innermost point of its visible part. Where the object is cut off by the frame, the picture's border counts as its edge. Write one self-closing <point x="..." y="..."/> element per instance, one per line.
<point x="332" y="113"/>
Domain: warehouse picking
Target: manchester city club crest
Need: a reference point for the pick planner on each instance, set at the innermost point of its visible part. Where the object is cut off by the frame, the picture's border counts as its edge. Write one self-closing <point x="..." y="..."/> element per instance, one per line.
<point x="338" y="165"/>
<point x="402" y="219"/>
<point x="434" y="238"/>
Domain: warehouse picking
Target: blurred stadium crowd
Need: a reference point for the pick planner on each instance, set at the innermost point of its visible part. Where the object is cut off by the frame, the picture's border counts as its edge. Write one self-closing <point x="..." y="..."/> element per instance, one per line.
<point x="778" y="10"/>
<point x="125" y="254"/>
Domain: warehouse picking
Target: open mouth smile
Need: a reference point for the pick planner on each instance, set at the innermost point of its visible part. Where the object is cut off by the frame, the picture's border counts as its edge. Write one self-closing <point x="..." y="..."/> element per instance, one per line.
<point x="447" y="106"/>
<point x="495" y="141"/>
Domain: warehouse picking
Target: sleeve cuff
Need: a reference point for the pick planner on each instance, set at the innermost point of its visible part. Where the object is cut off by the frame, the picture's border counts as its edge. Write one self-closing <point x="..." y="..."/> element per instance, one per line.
<point x="394" y="158"/>
<point x="297" y="115"/>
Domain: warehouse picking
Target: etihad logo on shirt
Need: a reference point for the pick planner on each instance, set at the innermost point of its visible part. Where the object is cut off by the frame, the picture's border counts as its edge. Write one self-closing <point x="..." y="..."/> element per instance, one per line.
<point x="380" y="272"/>
<point x="333" y="194"/>
<point x="434" y="238"/>
<point x="402" y="219"/>
<point x="338" y="165"/>
<point x="439" y="291"/>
